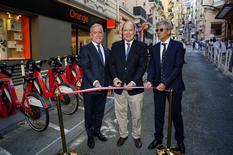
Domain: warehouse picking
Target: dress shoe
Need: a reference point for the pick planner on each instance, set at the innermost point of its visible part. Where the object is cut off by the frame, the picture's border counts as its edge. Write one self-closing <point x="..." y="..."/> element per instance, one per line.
<point x="91" y="143"/>
<point x="154" y="144"/>
<point x="100" y="136"/>
<point x="138" y="143"/>
<point x="121" y="141"/>
<point x="181" y="147"/>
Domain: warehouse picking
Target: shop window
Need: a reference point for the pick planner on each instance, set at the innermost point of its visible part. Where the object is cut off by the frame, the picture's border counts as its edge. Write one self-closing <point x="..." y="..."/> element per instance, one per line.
<point x="216" y="28"/>
<point x="80" y="37"/>
<point x="14" y="36"/>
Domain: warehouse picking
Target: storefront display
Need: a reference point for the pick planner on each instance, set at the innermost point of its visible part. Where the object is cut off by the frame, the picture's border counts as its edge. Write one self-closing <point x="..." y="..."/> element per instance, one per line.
<point x="14" y="36"/>
<point x="80" y="37"/>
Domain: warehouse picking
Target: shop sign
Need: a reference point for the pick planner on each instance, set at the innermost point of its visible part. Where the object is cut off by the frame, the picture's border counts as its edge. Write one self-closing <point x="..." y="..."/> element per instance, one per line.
<point x="77" y="16"/>
<point x="111" y="24"/>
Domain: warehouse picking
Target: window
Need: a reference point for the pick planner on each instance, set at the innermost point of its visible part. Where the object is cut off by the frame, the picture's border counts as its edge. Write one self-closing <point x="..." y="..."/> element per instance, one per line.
<point x="80" y="37"/>
<point x="14" y="36"/>
<point x="216" y="28"/>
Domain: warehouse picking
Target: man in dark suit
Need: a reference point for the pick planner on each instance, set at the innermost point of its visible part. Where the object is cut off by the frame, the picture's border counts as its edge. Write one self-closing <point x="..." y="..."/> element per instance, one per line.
<point x="94" y="62"/>
<point x="127" y="65"/>
<point x="165" y="72"/>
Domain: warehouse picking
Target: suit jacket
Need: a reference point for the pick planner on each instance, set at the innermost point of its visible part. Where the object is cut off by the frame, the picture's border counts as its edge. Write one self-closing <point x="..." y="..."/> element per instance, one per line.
<point x="131" y="70"/>
<point x="172" y="66"/>
<point x="93" y="69"/>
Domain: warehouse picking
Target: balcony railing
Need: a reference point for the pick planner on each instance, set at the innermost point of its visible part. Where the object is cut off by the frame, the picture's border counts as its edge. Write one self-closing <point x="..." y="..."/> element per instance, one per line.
<point x="139" y="11"/>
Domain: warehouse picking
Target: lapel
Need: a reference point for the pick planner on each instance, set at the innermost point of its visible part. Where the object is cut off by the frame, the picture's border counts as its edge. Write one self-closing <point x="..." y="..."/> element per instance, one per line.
<point x="122" y="50"/>
<point x="106" y="54"/>
<point x="157" y="55"/>
<point x="169" y="48"/>
<point x="95" y="52"/>
<point x="132" y="49"/>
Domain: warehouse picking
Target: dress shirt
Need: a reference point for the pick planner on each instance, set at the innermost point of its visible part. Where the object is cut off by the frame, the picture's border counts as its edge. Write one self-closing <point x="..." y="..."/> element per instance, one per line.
<point x="161" y="47"/>
<point x="101" y="48"/>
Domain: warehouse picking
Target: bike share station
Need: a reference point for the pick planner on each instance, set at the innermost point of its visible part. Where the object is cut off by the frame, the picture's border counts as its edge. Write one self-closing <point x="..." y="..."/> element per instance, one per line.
<point x="10" y="122"/>
<point x="33" y="104"/>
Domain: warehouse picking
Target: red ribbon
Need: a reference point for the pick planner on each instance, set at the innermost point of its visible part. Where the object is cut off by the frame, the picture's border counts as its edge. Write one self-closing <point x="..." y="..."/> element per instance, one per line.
<point x="103" y="88"/>
<point x="109" y="88"/>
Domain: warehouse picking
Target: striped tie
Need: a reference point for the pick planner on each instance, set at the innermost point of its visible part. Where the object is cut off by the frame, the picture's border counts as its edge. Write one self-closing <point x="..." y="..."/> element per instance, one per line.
<point x="162" y="63"/>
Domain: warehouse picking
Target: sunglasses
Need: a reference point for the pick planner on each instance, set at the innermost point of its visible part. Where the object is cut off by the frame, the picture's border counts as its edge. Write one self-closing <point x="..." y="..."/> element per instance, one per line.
<point x="161" y="30"/>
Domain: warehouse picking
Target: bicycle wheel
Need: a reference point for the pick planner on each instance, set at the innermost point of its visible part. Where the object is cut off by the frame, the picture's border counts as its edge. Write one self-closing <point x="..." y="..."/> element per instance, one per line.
<point x="8" y="100"/>
<point x="70" y="102"/>
<point x="37" y="114"/>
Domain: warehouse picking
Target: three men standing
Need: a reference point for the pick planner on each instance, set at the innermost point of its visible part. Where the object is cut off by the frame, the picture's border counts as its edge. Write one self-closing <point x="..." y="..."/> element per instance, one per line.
<point x="127" y="66"/>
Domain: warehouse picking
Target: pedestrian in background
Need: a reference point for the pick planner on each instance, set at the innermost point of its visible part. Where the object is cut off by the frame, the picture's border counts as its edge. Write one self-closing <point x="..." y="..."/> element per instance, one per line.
<point x="165" y="72"/>
<point x="184" y="46"/>
<point x="94" y="62"/>
<point x="127" y="66"/>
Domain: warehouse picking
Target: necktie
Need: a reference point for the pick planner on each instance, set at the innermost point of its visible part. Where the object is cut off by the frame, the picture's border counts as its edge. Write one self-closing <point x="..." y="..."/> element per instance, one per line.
<point x="164" y="51"/>
<point x="100" y="54"/>
<point x="127" y="51"/>
<point x="162" y="64"/>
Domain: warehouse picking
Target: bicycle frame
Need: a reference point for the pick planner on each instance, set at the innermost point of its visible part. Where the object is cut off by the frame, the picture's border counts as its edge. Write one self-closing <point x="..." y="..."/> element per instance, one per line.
<point x="48" y="93"/>
<point x="74" y="75"/>
<point x="7" y="84"/>
<point x="73" y="72"/>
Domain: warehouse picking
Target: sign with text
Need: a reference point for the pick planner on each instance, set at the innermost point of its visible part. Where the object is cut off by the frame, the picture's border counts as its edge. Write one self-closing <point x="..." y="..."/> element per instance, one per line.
<point x="73" y="14"/>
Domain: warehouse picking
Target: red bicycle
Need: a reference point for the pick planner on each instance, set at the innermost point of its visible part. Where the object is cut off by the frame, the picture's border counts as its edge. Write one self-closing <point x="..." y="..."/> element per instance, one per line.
<point x="52" y="85"/>
<point x="74" y="72"/>
<point x="32" y="105"/>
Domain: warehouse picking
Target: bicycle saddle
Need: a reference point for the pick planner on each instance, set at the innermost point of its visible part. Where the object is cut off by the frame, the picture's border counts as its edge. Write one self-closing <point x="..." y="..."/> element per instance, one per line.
<point x="54" y="62"/>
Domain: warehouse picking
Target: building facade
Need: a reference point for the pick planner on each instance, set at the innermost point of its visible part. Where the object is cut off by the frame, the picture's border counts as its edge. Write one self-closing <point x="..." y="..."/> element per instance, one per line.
<point x="47" y="28"/>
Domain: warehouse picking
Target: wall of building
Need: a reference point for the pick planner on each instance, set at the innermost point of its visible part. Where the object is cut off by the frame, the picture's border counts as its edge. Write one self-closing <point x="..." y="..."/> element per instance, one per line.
<point x="50" y="37"/>
<point x="101" y="8"/>
<point x="210" y="18"/>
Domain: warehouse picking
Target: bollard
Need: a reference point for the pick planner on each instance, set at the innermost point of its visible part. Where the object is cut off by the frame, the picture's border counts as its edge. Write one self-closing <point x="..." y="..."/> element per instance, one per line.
<point x="162" y="150"/>
<point x="63" y="138"/>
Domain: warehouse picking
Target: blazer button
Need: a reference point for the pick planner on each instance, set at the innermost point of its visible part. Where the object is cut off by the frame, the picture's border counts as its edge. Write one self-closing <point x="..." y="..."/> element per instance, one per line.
<point x="125" y="68"/>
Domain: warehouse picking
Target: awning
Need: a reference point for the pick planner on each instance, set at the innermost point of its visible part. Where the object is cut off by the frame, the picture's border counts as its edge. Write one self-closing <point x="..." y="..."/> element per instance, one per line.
<point x="224" y="11"/>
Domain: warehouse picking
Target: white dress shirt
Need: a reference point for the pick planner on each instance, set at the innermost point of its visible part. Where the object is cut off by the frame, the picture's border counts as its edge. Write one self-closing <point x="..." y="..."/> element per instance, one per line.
<point x="102" y="51"/>
<point x="101" y="48"/>
<point x="126" y="46"/>
<point x="161" y="47"/>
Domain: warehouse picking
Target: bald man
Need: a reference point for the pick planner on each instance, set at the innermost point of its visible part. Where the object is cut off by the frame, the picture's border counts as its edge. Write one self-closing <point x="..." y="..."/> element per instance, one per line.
<point x="127" y="65"/>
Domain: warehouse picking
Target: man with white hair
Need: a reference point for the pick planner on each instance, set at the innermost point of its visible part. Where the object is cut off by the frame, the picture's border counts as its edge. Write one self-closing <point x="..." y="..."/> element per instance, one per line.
<point x="94" y="62"/>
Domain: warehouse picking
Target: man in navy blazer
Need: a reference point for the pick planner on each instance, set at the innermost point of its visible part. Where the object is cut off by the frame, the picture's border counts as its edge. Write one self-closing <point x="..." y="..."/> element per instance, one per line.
<point x="165" y="72"/>
<point x="94" y="62"/>
<point x="127" y="66"/>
